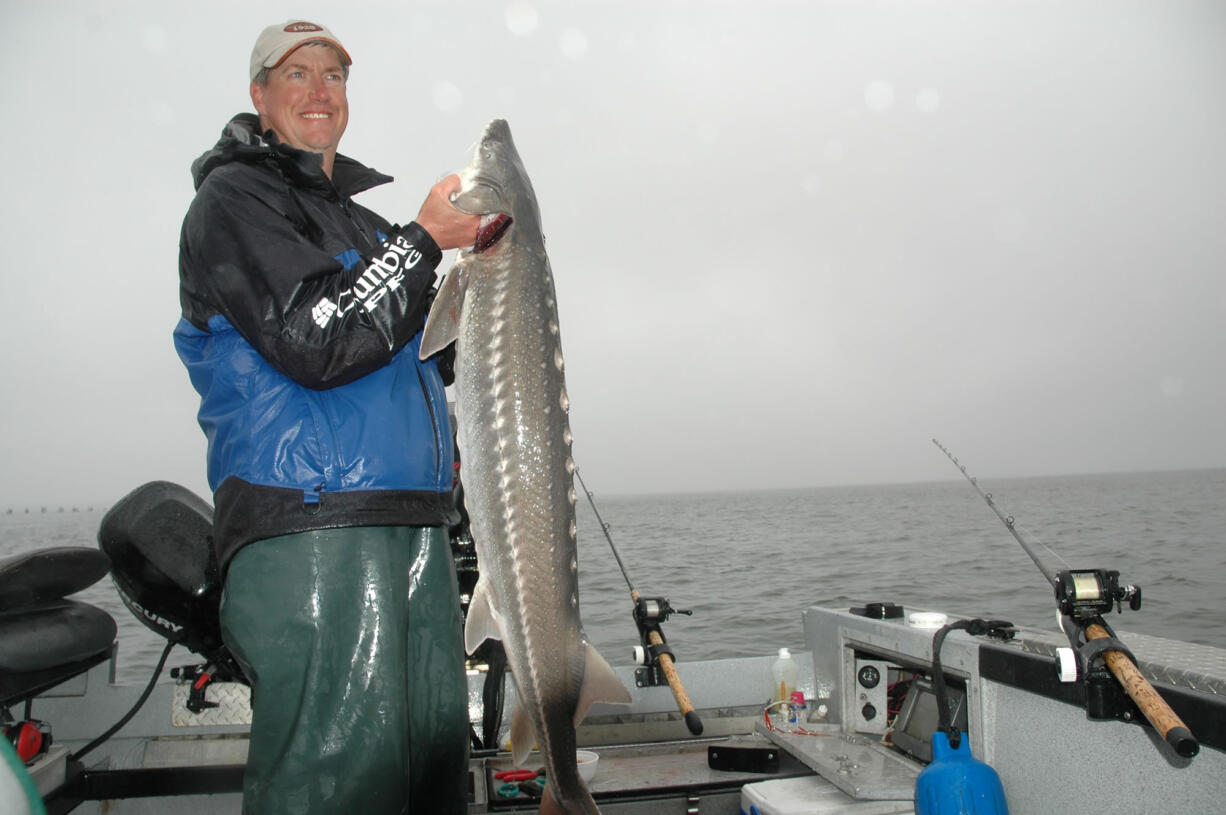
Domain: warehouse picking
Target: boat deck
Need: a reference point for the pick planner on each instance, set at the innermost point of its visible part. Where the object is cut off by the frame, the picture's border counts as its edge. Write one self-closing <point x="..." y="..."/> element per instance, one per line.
<point x="1021" y="721"/>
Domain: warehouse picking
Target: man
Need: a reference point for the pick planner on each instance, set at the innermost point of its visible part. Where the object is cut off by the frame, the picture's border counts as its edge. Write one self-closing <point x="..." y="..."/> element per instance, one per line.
<point x="329" y="449"/>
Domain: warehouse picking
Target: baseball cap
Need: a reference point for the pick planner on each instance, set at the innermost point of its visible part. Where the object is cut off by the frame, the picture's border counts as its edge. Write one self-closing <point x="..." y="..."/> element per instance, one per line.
<point x="277" y="42"/>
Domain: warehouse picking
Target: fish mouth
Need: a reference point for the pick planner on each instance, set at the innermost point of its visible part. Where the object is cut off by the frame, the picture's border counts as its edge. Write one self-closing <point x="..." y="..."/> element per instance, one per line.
<point x="491" y="230"/>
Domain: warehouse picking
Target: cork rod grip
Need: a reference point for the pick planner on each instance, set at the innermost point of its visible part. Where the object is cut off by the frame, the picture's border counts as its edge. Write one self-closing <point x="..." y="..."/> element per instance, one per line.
<point x="1152" y="705"/>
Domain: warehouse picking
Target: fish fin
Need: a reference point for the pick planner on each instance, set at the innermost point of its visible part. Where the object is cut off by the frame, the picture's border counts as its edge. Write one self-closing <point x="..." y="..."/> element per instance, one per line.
<point x="443" y="321"/>
<point x="600" y="684"/>
<point x="523" y="735"/>
<point x="483" y="622"/>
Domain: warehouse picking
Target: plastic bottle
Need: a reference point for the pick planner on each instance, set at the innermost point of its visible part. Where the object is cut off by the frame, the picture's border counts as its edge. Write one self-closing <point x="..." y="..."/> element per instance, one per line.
<point x="956" y="782"/>
<point x="783" y="677"/>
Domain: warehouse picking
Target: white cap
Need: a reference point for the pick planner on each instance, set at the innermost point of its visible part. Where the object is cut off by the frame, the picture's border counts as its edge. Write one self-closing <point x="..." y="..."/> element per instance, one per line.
<point x="277" y="42"/>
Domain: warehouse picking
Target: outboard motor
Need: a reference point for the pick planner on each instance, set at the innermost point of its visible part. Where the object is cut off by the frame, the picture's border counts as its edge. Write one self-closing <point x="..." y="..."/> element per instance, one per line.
<point x="159" y="539"/>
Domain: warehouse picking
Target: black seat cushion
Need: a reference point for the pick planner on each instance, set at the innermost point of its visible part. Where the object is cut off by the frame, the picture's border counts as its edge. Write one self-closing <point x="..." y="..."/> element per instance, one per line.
<point x="46" y="644"/>
<point x="38" y="577"/>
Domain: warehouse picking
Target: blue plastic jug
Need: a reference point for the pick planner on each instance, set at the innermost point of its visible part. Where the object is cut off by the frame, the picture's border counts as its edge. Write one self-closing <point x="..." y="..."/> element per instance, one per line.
<point x="956" y="783"/>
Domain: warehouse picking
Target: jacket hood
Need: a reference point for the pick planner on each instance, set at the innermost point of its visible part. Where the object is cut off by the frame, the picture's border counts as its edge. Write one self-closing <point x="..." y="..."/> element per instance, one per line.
<point x="242" y="141"/>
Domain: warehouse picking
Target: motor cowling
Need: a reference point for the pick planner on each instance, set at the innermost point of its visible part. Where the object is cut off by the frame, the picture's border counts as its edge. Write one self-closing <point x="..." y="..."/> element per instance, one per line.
<point x="159" y="539"/>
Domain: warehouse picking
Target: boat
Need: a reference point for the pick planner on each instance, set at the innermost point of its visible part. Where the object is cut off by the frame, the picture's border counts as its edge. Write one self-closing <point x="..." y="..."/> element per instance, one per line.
<point x="1061" y="736"/>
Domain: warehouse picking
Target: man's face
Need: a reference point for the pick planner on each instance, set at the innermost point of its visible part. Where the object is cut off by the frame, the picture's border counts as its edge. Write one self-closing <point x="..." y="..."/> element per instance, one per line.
<point x="304" y="101"/>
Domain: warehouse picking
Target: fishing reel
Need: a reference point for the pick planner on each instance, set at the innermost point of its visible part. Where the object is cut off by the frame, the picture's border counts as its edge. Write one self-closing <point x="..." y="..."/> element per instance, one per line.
<point x="1087" y="593"/>
<point x="1084" y="596"/>
<point x="649" y="613"/>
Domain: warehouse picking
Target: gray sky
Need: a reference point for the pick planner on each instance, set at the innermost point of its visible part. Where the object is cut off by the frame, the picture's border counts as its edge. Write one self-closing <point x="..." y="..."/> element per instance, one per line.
<point x="792" y="241"/>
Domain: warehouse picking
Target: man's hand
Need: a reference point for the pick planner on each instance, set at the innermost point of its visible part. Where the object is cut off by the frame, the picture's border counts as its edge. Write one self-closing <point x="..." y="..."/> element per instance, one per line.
<point x="450" y="228"/>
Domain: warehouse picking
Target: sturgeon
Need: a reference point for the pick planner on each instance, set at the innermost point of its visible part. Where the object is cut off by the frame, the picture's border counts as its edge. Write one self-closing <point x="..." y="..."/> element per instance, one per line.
<point x="498" y="305"/>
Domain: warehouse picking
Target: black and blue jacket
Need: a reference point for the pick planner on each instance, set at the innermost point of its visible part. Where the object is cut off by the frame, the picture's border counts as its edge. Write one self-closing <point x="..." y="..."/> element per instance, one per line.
<point x="302" y="314"/>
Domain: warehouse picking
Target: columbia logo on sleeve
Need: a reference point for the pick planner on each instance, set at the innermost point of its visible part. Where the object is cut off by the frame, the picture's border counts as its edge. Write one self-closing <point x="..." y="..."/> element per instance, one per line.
<point x="383" y="274"/>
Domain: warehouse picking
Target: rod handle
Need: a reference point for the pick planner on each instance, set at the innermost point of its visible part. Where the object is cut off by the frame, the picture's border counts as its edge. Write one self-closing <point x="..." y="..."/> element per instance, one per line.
<point x="1152" y="705"/>
<point x="692" y="720"/>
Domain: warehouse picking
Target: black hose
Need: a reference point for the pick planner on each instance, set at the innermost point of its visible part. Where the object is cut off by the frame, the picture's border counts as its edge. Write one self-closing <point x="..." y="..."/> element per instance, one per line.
<point x="128" y="716"/>
<point x="974" y="627"/>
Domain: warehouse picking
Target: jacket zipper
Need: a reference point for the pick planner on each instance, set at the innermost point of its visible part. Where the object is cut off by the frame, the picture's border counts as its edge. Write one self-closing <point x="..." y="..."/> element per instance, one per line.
<point x="438" y="436"/>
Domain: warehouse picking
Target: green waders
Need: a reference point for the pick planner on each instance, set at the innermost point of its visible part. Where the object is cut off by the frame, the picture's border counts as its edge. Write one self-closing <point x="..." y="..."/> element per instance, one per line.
<point x="352" y="641"/>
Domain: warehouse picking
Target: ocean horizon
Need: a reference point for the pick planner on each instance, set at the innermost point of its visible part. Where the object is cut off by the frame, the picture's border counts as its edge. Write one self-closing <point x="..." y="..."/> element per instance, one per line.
<point x="747" y="563"/>
<point x="60" y="506"/>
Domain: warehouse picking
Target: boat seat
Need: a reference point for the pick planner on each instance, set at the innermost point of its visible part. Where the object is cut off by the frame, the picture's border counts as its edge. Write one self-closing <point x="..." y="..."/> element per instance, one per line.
<point x="45" y="638"/>
<point x="49" y="574"/>
<point x="44" y="645"/>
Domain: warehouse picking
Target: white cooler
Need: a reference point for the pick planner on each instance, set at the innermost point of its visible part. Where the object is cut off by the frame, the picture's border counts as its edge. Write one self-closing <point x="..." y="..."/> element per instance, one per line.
<point x="811" y="795"/>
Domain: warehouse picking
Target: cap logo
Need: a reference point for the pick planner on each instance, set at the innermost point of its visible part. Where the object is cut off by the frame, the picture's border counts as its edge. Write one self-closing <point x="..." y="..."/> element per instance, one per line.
<point x="301" y="28"/>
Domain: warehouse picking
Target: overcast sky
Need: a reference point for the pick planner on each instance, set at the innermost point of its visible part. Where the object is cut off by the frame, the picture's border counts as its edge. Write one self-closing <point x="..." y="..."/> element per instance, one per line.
<point x="792" y="242"/>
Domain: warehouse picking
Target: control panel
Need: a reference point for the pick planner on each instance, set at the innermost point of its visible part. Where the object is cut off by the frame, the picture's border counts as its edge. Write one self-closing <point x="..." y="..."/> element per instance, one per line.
<point x="870" y="690"/>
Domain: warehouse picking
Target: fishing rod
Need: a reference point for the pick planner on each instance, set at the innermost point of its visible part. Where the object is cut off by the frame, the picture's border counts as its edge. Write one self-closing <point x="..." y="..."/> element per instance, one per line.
<point x="649" y="613"/>
<point x="1083" y="596"/>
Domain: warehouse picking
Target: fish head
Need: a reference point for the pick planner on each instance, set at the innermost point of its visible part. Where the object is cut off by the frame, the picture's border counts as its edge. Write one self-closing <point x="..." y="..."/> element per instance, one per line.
<point x="495" y="186"/>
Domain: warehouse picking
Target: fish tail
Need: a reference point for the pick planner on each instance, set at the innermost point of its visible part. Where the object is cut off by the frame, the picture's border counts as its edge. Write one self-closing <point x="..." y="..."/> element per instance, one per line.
<point x="581" y="804"/>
